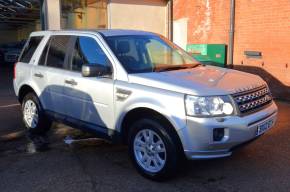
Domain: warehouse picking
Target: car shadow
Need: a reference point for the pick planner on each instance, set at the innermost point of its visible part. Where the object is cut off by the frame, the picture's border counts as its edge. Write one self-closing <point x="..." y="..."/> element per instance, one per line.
<point x="278" y="89"/>
<point x="83" y="116"/>
<point x="252" y="161"/>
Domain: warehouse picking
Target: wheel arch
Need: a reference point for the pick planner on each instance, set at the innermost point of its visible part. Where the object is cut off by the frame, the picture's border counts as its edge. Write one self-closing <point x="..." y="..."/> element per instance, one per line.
<point x="139" y="112"/>
<point x="24" y="89"/>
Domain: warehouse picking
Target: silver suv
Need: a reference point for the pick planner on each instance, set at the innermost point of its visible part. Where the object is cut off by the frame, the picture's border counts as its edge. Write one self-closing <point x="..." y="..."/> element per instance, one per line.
<point x="140" y="89"/>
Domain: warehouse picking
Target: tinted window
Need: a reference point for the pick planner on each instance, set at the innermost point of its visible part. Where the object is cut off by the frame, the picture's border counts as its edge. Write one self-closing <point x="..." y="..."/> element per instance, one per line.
<point x="130" y="53"/>
<point x="42" y="60"/>
<point x="77" y="61"/>
<point x="88" y="52"/>
<point x="57" y="50"/>
<point x="147" y="53"/>
<point x="30" y="48"/>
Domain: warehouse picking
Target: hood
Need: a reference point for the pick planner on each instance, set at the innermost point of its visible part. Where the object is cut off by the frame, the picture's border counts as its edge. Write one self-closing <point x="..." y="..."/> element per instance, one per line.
<point x="202" y="80"/>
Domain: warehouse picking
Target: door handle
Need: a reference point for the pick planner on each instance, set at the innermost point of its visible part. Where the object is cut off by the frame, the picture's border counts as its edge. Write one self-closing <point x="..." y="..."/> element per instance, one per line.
<point x="71" y="82"/>
<point x="39" y="75"/>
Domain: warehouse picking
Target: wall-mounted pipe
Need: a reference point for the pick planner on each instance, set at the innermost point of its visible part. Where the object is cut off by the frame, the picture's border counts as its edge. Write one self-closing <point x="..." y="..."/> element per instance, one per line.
<point x="42" y="15"/>
<point x="170" y="20"/>
<point x="232" y="33"/>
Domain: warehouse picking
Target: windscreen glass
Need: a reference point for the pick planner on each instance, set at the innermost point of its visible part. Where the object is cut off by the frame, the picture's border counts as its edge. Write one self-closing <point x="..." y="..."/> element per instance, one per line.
<point x="145" y="53"/>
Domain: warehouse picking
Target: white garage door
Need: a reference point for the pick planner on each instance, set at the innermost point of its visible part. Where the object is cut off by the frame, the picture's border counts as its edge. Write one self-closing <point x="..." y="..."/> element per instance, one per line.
<point x="148" y="15"/>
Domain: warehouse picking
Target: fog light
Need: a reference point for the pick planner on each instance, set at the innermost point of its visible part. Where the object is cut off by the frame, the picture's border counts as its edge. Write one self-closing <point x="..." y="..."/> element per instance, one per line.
<point x="218" y="134"/>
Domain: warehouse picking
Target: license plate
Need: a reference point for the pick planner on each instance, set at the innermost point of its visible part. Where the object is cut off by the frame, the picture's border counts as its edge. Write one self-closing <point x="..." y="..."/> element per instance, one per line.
<point x="262" y="128"/>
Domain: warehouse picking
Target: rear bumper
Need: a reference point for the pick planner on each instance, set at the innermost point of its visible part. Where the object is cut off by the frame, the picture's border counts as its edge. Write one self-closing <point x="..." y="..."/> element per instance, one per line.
<point x="197" y="137"/>
<point x="15" y="88"/>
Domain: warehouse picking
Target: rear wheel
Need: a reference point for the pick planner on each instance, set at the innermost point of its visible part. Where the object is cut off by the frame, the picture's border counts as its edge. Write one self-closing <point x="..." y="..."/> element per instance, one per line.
<point x="153" y="149"/>
<point x="33" y="115"/>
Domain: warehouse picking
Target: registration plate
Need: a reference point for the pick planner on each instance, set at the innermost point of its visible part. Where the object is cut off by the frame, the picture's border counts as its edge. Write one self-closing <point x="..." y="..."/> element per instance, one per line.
<point x="262" y="128"/>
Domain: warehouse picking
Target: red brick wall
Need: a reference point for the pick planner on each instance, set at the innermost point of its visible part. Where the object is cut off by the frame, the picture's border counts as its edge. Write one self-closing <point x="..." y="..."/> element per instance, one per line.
<point x="260" y="26"/>
<point x="208" y="20"/>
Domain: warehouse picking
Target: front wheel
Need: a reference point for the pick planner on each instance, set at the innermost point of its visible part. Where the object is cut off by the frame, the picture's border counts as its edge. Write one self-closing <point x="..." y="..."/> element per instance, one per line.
<point x="153" y="149"/>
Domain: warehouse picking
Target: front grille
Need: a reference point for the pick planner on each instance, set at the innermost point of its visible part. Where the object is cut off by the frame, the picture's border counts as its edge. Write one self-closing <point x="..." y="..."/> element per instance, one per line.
<point x="252" y="100"/>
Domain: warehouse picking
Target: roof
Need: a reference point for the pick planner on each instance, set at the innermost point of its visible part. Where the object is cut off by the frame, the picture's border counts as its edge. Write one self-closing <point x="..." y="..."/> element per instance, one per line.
<point x="104" y="32"/>
<point x="119" y="32"/>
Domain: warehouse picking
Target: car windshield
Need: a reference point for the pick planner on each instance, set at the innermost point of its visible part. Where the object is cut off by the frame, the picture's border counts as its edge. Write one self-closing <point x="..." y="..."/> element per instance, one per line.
<point x="148" y="53"/>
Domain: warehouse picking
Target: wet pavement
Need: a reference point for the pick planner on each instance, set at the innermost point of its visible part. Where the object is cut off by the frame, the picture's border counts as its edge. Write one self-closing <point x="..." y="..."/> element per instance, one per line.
<point x="96" y="165"/>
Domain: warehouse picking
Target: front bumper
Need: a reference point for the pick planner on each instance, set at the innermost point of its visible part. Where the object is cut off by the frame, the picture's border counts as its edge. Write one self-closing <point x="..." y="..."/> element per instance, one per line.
<point x="197" y="136"/>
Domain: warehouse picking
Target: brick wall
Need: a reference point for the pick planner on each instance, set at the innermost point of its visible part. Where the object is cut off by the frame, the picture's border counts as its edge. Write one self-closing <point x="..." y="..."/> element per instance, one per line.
<point x="261" y="25"/>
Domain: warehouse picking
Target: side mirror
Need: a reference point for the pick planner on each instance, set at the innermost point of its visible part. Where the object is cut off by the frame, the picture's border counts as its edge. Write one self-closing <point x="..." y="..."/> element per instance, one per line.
<point x="95" y="70"/>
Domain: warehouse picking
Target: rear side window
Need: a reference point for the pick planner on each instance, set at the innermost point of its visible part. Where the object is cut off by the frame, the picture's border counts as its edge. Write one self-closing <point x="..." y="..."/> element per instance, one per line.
<point x="30" y="48"/>
<point x="57" y="49"/>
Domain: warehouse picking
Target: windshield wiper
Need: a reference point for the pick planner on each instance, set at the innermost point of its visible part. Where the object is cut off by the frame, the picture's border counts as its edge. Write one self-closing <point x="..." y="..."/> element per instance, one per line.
<point x="175" y="67"/>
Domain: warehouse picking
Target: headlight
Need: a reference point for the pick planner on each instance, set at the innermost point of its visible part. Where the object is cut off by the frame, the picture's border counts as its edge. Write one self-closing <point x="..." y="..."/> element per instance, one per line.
<point x="208" y="106"/>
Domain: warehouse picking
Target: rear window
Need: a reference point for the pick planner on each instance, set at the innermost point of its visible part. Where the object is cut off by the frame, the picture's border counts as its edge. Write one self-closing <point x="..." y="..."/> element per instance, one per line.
<point x="30" y="48"/>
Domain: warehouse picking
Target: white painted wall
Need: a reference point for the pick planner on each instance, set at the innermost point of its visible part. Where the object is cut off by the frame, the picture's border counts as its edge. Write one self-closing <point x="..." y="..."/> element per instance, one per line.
<point x="147" y="15"/>
<point x="52" y="8"/>
<point x="180" y="32"/>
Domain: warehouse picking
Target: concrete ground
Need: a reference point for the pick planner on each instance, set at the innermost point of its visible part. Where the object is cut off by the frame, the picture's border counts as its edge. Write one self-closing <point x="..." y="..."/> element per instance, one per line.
<point x="263" y="165"/>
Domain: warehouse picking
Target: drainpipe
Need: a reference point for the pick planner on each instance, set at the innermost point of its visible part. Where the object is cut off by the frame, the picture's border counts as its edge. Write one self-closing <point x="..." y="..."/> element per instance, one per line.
<point x="170" y="20"/>
<point x="42" y="15"/>
<point x="232" y="33"/>
<point x="109" y="16"/>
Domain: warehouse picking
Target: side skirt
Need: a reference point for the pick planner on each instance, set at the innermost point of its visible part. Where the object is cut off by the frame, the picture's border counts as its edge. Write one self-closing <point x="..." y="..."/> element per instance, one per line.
<point x="99" y="131"/>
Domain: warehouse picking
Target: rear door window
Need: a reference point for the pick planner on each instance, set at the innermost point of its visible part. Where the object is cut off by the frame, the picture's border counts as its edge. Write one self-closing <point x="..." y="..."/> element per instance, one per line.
<point x="57" y="51"/>
<point x="30" y="48"/>
<point x="42" y="60"/>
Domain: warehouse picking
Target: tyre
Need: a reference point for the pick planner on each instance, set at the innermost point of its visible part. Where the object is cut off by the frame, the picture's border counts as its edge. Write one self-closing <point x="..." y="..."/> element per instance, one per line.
<point x="154" y="149"/>
<point x="33" y="115"/>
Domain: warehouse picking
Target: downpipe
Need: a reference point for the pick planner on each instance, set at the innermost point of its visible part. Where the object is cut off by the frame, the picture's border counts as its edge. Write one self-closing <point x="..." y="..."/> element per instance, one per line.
<point x="232" y="34"/>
